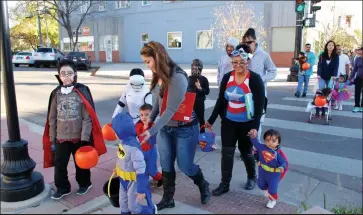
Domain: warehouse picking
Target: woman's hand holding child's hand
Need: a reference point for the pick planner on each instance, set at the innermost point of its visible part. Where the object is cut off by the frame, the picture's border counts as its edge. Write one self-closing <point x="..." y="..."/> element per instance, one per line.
<point x="253" y="133"/>
<point x="282" y="169"/>
<point x="140" y="197"/>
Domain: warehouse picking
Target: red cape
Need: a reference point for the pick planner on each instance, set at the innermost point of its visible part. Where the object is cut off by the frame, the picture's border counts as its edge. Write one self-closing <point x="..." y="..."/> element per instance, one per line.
<point x="287" y="163"/>
<point x="98" y="142"/>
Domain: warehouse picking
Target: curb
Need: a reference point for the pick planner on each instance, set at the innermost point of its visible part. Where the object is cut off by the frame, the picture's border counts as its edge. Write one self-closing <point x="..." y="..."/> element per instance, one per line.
<point x="91" y="206"/>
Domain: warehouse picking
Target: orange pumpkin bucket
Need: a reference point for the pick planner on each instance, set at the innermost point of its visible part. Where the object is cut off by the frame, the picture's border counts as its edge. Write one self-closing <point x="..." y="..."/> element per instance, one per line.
<point x="86" y="157"/>
<point x="305" y="66"/>
<point x="320" y="101"/>
<point x="108" y="133"/>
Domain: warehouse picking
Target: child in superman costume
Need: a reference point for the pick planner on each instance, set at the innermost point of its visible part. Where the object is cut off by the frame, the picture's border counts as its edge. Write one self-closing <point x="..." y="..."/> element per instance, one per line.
<point x="149" y="149"/>
<point x="273" y="163"/>
<point x="71" y="123"/>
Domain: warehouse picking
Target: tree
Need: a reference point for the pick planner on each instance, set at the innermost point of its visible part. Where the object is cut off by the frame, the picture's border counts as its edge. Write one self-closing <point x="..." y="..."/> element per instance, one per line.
<point x="358" y="35"/>
<point x="69" y="14"/>
<point x="233" y="19"/>
<point x="24" y="35"/>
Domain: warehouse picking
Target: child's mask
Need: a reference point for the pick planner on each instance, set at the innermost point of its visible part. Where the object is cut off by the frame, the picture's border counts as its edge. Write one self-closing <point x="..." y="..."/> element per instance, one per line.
<point x="66" y="75"/>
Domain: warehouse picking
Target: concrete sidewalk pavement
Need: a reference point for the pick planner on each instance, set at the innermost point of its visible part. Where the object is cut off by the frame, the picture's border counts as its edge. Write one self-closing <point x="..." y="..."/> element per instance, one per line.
<point x="295" y="188"/>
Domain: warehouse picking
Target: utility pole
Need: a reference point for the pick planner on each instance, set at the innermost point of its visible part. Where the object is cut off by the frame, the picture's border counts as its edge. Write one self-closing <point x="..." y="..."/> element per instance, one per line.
<point x="39" y="26"/>
<point x="18" y="180"/>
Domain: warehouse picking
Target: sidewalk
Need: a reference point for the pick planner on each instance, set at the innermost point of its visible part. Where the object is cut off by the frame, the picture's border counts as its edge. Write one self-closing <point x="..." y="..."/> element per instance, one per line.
<point x="122" y="70"/>
<point x="295" y="187"/>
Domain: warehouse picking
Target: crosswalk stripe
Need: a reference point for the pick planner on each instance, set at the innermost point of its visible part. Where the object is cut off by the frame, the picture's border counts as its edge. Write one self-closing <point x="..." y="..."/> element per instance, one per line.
<point x="320" y="129"/>
<point x="331" y="163"/>
<point x="302" y="109"/>
<point x="310" y="99"/>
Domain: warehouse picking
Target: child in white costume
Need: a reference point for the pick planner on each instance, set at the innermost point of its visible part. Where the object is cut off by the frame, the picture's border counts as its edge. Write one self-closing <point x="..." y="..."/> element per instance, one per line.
<point x="136" y="93"/>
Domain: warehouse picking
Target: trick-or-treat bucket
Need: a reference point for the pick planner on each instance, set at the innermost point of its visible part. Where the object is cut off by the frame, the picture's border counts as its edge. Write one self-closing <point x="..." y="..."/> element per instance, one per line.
<point x="207" y="140"/>
<point x="111" y="189"/>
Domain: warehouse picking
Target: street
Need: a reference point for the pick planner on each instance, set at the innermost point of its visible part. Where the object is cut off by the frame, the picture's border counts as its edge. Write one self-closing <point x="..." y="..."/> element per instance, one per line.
<point x="331" y="153"/>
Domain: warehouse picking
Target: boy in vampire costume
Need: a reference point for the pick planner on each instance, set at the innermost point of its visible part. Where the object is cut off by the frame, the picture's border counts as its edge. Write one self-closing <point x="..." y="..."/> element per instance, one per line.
<point x="71" y="123"/>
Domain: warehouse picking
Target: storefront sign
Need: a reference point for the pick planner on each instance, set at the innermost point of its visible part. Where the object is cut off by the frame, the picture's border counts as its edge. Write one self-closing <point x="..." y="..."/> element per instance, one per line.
<point x="86" y="31"/>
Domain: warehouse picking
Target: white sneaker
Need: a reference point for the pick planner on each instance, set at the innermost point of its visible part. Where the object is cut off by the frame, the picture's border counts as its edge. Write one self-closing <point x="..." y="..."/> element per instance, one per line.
<point x="341" y="106"/>
<point x="271" y="204"/>
<point x="336" y="107"/>
<point x="156" y="209"/>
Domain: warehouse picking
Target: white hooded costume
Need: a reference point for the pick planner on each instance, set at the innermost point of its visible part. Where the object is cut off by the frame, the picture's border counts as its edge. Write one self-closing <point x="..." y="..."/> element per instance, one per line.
<point x="225" y="63"/>
<point x="136" y="94"/>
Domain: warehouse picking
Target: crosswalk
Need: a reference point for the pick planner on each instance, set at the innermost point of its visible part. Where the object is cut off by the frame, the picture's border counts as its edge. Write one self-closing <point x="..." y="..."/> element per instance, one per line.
<point x="317" y="146"/>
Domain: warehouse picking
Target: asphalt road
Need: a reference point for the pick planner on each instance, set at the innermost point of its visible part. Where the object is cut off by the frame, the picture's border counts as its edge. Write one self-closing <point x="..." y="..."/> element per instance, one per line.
<point x="323" y="151"/>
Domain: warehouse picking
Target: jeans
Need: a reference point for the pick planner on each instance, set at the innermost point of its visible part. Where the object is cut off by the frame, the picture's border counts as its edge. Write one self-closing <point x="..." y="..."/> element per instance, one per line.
<point x="358" y="91"/>
<point x="178" y="143"/>
<point x="323" y="83"/>
<point x="303" y="79"/>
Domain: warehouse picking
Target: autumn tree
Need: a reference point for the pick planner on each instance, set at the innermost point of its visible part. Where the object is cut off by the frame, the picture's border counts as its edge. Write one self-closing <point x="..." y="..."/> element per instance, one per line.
<point x="24" y="34"/>
<point x="232" y="19"/>
<point x="69" y="14"/>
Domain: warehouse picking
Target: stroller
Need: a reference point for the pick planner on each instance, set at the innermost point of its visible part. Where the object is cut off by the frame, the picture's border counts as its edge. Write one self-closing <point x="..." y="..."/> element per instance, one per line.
<point x="327" y="105"/>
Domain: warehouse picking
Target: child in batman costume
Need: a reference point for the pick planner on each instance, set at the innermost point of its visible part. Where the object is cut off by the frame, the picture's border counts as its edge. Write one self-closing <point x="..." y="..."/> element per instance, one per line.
<point x="131" y="168"/>
<point x="71" y="123"/>
<point x="273" y="163"/>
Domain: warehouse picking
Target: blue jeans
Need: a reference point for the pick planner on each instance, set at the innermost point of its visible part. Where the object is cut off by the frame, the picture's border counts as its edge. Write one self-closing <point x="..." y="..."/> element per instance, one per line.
<point x="323" y="83"/>
<point x="178" y="143"/>
<point x="303" y="79"/>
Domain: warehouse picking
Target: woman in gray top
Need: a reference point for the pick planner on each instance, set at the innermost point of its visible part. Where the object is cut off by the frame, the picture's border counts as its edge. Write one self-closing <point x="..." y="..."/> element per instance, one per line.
<point x="176" y="139"/>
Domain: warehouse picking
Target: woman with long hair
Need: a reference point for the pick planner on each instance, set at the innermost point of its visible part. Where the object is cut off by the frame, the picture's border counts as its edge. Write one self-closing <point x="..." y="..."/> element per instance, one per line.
<point x="176" y="139"/>
<point x="327" y="69"/>
<point x="240" y="105"/>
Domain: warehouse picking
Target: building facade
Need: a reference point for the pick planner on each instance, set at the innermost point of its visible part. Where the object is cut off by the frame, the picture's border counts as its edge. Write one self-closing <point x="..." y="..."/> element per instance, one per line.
<point x="115" y="31"/>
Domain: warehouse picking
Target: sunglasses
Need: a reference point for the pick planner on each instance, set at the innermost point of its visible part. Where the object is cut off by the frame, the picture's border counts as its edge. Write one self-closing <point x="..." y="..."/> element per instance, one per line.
<point x="249" y="42"/>
<point x="238" y="63"/>
<point x="241" y="53"/>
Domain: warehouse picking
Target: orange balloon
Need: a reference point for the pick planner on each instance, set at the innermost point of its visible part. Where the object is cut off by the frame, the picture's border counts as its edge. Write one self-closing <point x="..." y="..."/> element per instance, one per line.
<point x="108" y="133"/>
<point x="86" y="157"/>
<point x="320" y="101"/>
<point x="305" y="66"/>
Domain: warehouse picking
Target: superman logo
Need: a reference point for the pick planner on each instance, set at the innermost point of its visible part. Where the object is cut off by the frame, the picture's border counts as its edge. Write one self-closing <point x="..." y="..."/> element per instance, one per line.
<point x="121" y="152"/>
<point x="268" y="156"/>
<point x="202" y="144"/>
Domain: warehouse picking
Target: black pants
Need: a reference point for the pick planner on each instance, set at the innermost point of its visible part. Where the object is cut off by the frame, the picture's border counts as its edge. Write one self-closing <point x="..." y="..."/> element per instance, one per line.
<point x="61" y="159"/>
<point x="231" y="133"/>
<point x="358" y="82"/>
<point x="199" y="111"/>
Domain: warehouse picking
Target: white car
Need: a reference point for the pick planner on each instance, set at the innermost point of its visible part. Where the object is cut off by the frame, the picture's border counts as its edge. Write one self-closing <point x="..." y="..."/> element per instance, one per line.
<point x="23" y="58"/>
<point x="47" y="57"/>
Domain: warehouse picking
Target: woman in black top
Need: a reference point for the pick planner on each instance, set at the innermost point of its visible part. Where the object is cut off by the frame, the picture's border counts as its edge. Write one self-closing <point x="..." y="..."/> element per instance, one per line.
<point x="240" y="105"/>
<point x="198" y="84"/>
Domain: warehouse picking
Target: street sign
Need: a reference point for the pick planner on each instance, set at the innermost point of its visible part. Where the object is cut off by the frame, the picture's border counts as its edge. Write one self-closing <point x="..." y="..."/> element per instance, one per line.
<point x="309" y="21"/>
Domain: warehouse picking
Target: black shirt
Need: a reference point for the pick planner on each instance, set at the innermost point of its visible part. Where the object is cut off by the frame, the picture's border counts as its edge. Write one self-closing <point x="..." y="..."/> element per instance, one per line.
<point x="204" y="84"/>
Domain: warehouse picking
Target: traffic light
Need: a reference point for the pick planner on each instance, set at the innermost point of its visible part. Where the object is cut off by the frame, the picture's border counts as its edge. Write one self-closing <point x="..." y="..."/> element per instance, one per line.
<point x="313" y="7"/>
<point x="300" y="6"/>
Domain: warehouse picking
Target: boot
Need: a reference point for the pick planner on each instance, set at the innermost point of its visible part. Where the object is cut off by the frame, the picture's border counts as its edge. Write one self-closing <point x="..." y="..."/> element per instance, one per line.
<point x="250" y="165"/>
<point x="226" y="169"/>
<point x="203" y="186"/>
<point x="169" y="189"/>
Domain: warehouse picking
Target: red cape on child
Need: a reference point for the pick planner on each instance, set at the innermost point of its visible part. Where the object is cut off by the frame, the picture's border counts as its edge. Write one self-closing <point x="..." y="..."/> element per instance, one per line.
<point x="96" y="138"/>
<point x="287" y="163"/>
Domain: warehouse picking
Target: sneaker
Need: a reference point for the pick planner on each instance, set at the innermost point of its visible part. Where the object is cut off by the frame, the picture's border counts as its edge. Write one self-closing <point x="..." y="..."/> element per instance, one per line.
<point x="356" y="109"/>
<point x="297" y="94"/>
<point x="155" y="209"/>
<point x="341" y="106"/>
<point x="271" y="204"/>
<point x="59" y="195"/>
<point x="83" y="190"/>
<point x="303" y="95"/>
<point x="361" y="109"/>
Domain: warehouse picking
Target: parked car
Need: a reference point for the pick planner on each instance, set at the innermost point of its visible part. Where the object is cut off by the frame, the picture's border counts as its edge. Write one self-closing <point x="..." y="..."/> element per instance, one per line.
<point x="47" y="57"/>
<point x="23" y="58"/>
<point x="80" y="59"/>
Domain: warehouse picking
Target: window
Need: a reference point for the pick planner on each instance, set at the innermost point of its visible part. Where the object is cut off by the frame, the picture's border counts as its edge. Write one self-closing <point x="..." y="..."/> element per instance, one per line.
<point x="122" y="4"/>
<point x="175" y="40"/>
<point x="145" y="3"/>
<point x="144" y="37"/>
<point x="101" y="43"/>
<point x="114" y="43"/>
<point x="24" y="53"/>
<point x="84" y="7"/>
<point x="205" y="39"/>
<point x="45" y="50"/>
<point x="102" y="5"/>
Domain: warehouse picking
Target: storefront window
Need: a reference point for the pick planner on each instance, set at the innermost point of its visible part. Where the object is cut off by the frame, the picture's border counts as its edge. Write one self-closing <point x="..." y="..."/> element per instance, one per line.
<point x="101" y="43"/>
<point x="114" y="43"/>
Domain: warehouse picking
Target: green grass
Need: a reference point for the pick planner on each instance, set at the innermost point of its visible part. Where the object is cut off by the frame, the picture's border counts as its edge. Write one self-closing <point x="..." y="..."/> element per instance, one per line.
<point x="347" y="210"/>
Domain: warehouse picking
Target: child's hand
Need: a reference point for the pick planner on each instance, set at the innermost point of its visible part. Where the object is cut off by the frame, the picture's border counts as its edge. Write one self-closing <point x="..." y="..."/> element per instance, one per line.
<point x="146" y="125"/>
<point x="146" y="135"/>
<point x="253" y="133"/>
<point x="114" y="171"/>
<point x="140" y="197"/>
<point x="197" y="84"/>
<point x="282" y="169"/>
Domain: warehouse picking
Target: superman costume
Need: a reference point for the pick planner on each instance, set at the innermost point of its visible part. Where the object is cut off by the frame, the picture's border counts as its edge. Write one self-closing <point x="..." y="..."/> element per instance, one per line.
<point x="149" y="151"/>
<point x="269" y="174"/>
<point x="96" y="139"/>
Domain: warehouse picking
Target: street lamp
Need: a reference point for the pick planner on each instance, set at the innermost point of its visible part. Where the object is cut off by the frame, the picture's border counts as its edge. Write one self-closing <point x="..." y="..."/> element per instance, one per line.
<point x="18" y="182"/>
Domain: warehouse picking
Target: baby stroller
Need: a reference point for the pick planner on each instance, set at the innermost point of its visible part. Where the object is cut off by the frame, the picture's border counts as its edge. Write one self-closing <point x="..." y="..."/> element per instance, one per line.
<point x="318" y="103"/>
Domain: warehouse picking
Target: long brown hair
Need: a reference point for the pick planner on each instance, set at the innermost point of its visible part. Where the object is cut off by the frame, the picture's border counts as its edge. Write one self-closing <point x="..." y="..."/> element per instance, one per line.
<point x="163" y="63"/>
